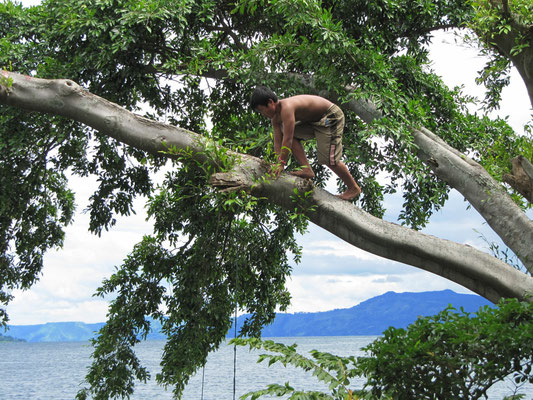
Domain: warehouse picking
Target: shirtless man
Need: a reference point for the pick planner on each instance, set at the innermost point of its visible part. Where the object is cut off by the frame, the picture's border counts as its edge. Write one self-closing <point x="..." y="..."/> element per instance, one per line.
<point x="305" y="117"/>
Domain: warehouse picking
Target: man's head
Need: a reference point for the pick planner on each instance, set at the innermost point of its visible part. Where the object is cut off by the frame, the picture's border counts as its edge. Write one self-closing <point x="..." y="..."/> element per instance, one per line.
<point x="263" y="100"/>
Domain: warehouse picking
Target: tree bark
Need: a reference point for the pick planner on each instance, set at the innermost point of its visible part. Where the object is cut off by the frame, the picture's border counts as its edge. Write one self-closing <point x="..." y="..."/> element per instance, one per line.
<point x="485" y="194"/>
<point x="471" y="268"/>
<point x="469" y="178"/>
<point x="521" y="178"/>
<point x="523" y="61"/>
<point x="465" y="265"/>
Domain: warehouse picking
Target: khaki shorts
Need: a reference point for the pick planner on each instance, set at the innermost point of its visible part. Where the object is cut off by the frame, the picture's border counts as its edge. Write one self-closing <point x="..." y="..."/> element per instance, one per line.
<point x="328" y="134"/>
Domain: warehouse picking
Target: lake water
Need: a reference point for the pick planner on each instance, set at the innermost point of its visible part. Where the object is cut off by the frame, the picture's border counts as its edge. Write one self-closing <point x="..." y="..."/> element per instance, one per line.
<point x="53" y="371"/>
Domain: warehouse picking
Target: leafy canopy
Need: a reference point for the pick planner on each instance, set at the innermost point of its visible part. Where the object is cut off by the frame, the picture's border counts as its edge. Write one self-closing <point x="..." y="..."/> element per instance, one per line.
<point x="187" y="62"/>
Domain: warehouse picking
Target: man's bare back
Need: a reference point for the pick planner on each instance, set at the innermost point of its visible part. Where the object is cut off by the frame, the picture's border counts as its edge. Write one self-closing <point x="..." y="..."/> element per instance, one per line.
<point x="304" y="107"/>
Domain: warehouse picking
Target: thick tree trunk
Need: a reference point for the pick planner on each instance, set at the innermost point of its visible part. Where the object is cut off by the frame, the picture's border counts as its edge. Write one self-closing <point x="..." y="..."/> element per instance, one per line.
<point x="506" y="42"/>
<point x="462" y="264"/>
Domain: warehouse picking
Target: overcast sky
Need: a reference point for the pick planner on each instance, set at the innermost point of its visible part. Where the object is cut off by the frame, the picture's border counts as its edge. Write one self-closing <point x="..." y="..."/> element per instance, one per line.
<point x="332" y="274"/>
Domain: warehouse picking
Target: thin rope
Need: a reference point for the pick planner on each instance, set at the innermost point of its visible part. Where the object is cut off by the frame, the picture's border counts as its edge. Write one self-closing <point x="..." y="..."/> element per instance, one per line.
<point x="235" y="332"/>
<point x="203" y="376"/>
<point x="236" y="307"/>
<point x="221" y="260"/>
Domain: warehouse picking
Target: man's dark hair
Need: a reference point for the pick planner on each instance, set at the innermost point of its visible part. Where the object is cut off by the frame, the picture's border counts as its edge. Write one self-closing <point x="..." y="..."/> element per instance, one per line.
<point x="260" y="97"/>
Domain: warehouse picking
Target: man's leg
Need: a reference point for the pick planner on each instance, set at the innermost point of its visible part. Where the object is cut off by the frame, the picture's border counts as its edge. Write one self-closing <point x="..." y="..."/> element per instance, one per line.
<point x="299" y="154"/>
<point x="353" y="190"/>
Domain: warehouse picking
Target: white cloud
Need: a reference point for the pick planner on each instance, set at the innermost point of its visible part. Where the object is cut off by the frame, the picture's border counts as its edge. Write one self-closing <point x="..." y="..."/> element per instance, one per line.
<point x="29" y="3"/>
<point x="72" y="274"/>
<point x="38" y="307"/>
<point x="322" y="293"/>
<point x="338" y="248"/>
<point x="458" y="64"/>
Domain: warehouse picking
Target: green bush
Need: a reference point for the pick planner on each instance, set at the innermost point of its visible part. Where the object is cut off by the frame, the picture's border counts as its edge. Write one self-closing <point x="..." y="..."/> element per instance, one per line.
<point x="453" y="355"/>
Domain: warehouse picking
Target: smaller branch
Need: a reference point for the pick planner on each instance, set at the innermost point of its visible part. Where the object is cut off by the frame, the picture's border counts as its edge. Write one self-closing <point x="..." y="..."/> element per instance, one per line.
<point x="229" y="32"/>
<point x="235" y="38"/>
<point x="521" y="178"/>
<point x="506" y="9"/>
<point x="451" y="149"/>
<point x="513" y="17"/>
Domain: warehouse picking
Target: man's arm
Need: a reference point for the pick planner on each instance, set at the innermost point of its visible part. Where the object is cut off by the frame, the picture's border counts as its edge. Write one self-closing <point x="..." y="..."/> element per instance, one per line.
<point x="276" y="169"/>
<point x="278" y="137"/>
<point x="288" y="122"/>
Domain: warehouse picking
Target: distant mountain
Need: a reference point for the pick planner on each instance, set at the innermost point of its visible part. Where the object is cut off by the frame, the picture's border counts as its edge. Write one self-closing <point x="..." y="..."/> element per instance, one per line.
<point x="67" y="331"/>
<point x="55" y="331"/>
<point x="9" y="339"/>
<point x="373" y="316"/>
<point x="370" y="317"/>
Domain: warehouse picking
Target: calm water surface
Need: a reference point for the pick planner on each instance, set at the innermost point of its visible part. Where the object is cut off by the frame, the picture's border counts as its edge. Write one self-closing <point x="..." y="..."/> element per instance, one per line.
<point x="53" y="371"/>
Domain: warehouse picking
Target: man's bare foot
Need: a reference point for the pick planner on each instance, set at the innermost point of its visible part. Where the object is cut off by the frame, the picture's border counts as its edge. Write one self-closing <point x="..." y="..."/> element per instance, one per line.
<point x="303" y="173"/>
<point x="350" y="194"/>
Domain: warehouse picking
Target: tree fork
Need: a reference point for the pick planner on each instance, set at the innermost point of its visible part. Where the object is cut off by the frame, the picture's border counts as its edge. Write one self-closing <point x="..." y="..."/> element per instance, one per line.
<point x="471" y="268"/>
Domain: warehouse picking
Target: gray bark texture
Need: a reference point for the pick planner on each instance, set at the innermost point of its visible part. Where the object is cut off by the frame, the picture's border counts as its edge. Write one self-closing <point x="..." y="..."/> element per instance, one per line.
<point x="521" y="178"/>
<point x="470" y="179"/>
<point x="485" y="194"/>
<point x="471" y="268"/>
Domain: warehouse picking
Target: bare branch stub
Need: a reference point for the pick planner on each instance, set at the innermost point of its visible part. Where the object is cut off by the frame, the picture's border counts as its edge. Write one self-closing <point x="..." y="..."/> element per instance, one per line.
<point x="521" y="177"/>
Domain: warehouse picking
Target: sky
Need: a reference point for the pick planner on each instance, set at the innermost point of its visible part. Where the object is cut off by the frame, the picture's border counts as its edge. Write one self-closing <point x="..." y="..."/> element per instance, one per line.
<point x="332" y="274"/>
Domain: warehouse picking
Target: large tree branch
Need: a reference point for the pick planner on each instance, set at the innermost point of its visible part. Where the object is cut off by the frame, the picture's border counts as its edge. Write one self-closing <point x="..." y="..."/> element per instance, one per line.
<point x="486" y="195"/>
<point x="465" y="175"/>
<point x="66" y="98"/>
<point x="465" y="265"/>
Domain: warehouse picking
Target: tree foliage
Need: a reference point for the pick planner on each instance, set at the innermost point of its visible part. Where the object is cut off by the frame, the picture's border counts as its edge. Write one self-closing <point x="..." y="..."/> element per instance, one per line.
<point x="187" y="62"/>
<point x="210" y="253"/>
